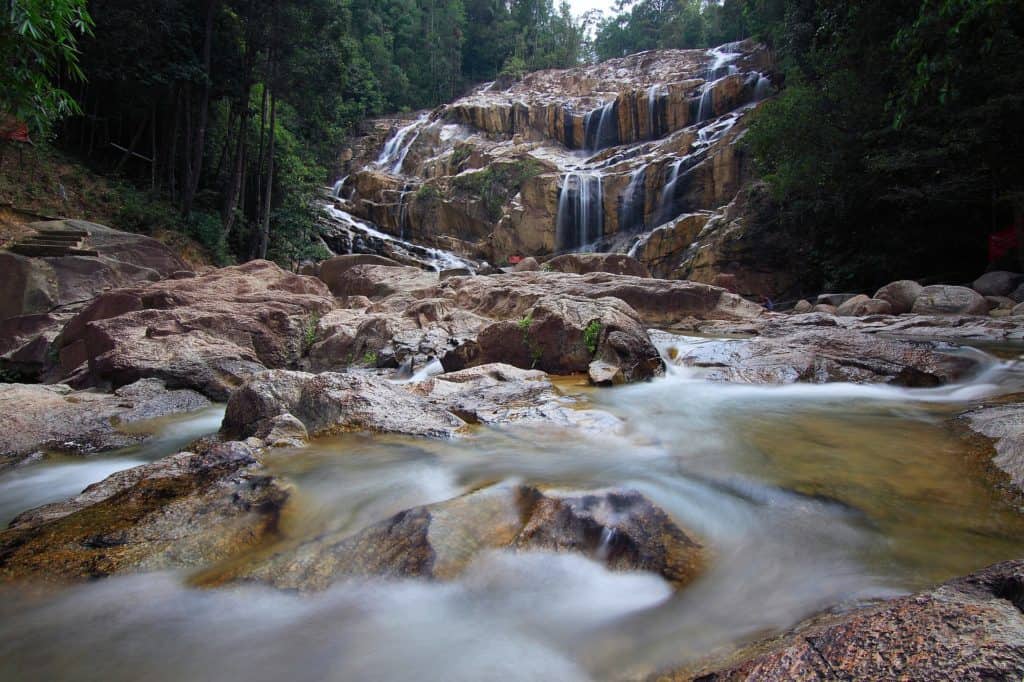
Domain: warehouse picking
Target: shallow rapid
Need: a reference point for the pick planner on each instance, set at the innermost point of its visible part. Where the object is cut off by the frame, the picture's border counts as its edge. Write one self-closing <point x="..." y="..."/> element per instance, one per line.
<point x="808" y="496"/>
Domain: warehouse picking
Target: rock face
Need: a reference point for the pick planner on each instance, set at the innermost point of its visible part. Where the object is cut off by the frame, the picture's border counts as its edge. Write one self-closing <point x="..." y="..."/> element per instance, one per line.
<point x="58" y="419"/>
<point x="442" y="407"/>
<point x="969" y="629"/>
<point x="1004" y="424"/>
<point x="209" y="333"/>
<point x="496" y="174"/>
<point x="619" y="528"/>
<point x="949" y="300"/>
<point x="187" y="510"/>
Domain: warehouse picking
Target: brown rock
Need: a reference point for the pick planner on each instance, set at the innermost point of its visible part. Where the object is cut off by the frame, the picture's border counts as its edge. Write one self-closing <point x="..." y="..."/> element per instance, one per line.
<point x="187" y="510"/>
<point x="209" y="333"/>
<point x="968" y="629"/>
<point x="584" y="263"/>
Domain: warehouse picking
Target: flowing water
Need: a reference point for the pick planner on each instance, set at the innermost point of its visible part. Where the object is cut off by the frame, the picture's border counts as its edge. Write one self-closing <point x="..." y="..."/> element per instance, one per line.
<point x="808" y="497"/>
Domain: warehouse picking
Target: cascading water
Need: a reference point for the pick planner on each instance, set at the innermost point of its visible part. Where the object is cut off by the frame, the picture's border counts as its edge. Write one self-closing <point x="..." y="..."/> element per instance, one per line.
<point x="601" y="128"/>
<point x="719" y="68"/>
<point x="653" y="93"/>
<point x="580" y="218"/>
<point x="392" y="157"/>
<point x="631" y="210"/>
<point x="338" y="187"/>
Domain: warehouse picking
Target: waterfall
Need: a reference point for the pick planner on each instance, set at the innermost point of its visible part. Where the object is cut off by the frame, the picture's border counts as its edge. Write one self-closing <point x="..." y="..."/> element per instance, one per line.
<point x="580" y="218"/>
<point x="601" y="128"/>
<point x="631" y="212"/>
<point x="720" y="67"/>
<point x="338" y="186"/>
<point x="652" y="110"/>
<point x="392" y="157"/>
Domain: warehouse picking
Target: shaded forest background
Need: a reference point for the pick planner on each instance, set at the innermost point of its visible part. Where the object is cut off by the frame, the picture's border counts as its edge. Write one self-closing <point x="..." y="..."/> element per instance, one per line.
<point x="893" y="148"/>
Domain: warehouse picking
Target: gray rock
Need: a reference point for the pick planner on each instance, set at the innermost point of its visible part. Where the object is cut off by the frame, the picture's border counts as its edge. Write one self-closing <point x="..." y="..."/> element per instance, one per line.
<point x="997" y="283"/>
<point x="943" y="299"/>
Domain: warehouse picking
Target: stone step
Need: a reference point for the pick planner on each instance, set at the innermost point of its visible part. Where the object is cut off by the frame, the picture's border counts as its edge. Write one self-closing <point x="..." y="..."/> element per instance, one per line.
<point x="50" y="251"/>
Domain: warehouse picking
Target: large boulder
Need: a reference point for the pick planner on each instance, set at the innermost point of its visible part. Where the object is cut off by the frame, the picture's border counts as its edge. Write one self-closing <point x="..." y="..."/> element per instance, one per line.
<point x="565" y="334"/>
<point x="900" y="295"/>
<point x="58" y="419"/>
<point x="943" y="299"/>
<point x="821" y="354"/>
<point x="209" y="333"/>
<point x="184" y="511"/>
<point x="330" y="270"/>
<point x="37" y="285"/>
<point x="584" y="263"/>
<point x="621" y="529"/>
<point x="997" y="283"/>
<point x="968" y="629"/>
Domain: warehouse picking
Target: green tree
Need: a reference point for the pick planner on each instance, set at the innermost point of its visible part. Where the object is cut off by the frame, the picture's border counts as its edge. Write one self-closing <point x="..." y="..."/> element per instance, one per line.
<point x="38" y="49"/>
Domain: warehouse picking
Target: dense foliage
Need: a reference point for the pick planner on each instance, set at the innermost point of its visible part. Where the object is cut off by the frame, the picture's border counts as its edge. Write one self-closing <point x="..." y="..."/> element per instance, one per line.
<point x="895" y="147"/>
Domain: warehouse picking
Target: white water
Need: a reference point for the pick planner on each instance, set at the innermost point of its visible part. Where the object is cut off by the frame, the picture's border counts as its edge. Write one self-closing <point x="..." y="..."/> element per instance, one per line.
<point x="392" y="157"/>
<point x="807" y="496"/>
<point x="438" y="259"/>
<point x="580" y="219"/>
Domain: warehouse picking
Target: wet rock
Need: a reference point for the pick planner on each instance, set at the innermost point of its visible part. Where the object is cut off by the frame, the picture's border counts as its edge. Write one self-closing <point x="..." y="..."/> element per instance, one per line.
<point x="619" y="528"/>
<point x="900" y="295"/>
<point x="187" y="510"/>
<point x="968" y="629"/>
<point x="821" y="355"/>
<point x="583" y="263"/>
<point x="605" y="374"/>
<point x="1004" y="424"/>
<point x="997" y="283"/>
<point x="209" y="333"/>
<point x="42" y="418"/>
<point x="941" y="299"/>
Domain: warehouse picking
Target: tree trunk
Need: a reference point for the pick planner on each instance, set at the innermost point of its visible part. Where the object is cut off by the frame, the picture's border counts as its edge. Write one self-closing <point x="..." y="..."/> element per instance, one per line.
<point x="267" y="192"/>
<point x="194" y="160"/>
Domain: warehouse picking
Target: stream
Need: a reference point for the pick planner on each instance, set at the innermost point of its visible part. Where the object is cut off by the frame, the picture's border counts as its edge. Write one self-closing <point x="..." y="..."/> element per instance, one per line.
<point x="809" y="497"/>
